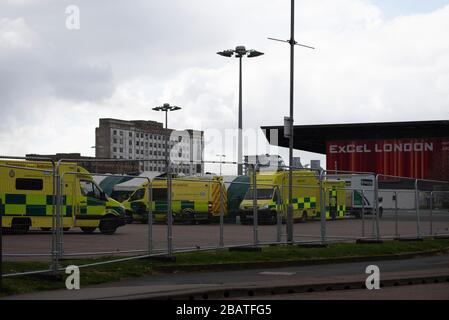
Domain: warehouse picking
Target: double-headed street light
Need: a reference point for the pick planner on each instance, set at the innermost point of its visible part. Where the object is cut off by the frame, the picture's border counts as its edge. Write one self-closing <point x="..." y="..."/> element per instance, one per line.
<point x="240" y="52"/>
<point x="167" y="107"/>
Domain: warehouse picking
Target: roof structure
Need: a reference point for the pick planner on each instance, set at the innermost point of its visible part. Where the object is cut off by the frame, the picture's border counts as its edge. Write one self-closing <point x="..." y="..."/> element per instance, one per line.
<point x="313" y="138"/>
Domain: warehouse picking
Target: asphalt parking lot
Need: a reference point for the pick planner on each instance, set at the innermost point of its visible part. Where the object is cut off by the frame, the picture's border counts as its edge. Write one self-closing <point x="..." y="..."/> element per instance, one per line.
<point x="133" y="238"/>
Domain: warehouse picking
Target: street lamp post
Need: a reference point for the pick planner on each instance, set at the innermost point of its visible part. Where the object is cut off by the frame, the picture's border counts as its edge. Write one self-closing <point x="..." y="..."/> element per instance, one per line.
<point x="221" y="160"/>
<point x="166" y="108"/>
<point x="239" y="52"/>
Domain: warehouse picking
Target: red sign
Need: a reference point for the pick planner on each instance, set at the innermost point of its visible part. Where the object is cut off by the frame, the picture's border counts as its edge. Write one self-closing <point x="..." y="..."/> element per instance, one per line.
<point x="416" y="158"/>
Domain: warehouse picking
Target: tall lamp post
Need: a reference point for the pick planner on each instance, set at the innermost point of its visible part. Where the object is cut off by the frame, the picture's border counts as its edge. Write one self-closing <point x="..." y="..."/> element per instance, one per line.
<point x="166" y="108"/>
<point x="240" y="52"/>
<point x="289" y="121"/>
<point x="221" y="160"/>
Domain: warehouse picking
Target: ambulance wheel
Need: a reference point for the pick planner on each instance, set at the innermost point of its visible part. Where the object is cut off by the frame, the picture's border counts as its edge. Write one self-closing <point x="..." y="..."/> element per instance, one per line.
<point x="45" y="229"/>
<point x="88" y="229"/>
<point x="381" y="211"/>
<point x="304" y="217"/>
<point x="65" y="229"/>
<point x="273" y="218"/>
<point x="188" y="216"/>
<point x="20" y="226"/>
<point x="108" y="225"/>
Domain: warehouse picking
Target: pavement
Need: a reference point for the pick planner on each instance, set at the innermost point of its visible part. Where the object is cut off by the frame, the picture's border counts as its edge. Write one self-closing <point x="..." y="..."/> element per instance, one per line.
<point x="438" y="291"/>
<point x="236" y="284"/>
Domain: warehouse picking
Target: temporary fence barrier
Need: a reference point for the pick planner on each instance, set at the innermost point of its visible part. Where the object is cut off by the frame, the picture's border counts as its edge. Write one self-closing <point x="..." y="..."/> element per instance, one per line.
<point x="388" y="219"/>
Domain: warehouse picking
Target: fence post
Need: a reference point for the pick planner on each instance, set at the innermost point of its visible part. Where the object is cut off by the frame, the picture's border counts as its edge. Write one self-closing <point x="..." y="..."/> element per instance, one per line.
<point x="322" y="208"/>
<point x="57" y="226"/>
<point x="431" y="212"/>
<point x="255" y="231"/>
<point x="363" y="213"/>
<point x="150" y="218"/>
<point x="221" y="243"/>
<point x="1" y="247"/>
<point x="54" y="263"/>
<point x="418" y="222"/>
<point x="376" y="195"/>
<point x="61" y="217"/>
<point x="396" y="218"/>
<point x="169" y="212"/>
<point x="278" y="216"/>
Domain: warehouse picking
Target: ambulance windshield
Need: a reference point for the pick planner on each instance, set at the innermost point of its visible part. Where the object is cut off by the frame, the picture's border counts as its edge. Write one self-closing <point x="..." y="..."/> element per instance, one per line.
<point x="262" y="194"/>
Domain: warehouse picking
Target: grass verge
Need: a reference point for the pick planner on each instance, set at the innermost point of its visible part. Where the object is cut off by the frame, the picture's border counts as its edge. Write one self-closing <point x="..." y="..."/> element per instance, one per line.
<point x="139" y="268"/>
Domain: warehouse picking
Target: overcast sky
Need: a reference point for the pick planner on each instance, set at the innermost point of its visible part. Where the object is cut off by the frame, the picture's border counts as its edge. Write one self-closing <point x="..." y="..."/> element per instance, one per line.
<point x="377" y="60"/>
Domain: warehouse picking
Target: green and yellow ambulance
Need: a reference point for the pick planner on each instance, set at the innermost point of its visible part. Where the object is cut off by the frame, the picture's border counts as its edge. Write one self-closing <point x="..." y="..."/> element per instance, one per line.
<point x="27" y="199"/>
<point x="194" y="199"/>
<point x="272" y="197"/>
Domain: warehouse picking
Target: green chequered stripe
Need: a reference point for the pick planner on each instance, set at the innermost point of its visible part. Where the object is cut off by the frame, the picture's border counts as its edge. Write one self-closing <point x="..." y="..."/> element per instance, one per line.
<point x="334" y="192"/>
<point x="341" y="210"/>
<point x="93" y="206"/>
<point x="177" y="205"/>
<point x="307" y="203"/>
<point x="32" y="205"/>
<point x="160" y="206"/>
<point x="186" y="204"/>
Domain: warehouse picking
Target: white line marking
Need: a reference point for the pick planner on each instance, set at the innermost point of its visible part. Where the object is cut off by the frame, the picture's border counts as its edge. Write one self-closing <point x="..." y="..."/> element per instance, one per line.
<point x="273" y="273"/>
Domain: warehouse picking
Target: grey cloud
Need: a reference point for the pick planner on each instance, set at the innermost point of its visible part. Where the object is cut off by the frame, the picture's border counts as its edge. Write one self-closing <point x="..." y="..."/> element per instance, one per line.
<point x="81" y="81"/>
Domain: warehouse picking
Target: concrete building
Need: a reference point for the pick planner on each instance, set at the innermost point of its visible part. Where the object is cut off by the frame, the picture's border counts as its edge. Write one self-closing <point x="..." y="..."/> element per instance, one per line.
<point x="145" y="141"/>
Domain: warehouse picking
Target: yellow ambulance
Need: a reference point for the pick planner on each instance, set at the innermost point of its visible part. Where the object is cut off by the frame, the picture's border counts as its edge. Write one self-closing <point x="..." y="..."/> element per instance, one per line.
<point x="194" y="199"/>
<point x="272" y="197"/>
<point x="27" y="199"/>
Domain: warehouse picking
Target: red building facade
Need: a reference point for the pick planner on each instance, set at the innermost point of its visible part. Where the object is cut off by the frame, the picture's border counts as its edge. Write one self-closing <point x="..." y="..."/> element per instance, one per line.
<point x="423" y="158"/>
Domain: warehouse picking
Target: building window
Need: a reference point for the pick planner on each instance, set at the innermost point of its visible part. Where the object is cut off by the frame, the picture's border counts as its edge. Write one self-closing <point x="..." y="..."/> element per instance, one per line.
<point x="137" y="143"/>
<point x="115" y="132"/>
<point x="121" y="149"/>
<point x="130" y="134"/>
<point x="130" y="150"/>
<point x="114" y="149"/>
<point x="115" y="140"/>
<point x="121" y="133"/>
<point x="130" y="142"/>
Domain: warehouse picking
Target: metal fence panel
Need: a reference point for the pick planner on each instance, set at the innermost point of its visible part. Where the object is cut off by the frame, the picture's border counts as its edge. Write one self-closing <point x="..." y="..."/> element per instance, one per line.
<point x="27" y="209"/>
